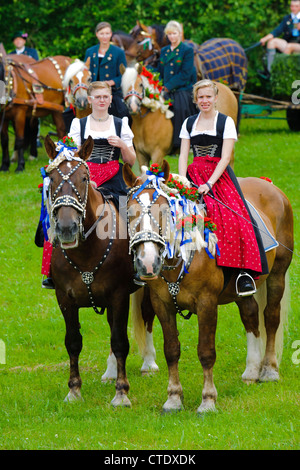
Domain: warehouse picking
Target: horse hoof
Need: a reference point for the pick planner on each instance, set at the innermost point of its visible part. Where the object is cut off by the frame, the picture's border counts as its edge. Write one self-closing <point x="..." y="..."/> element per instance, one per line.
<point x="19" y="169"/>
<point x="121" y="400"/>
<point x="4" y="168"/>
<point x="269" y="374"/>
<point x="172" y="405"/>
<point x="73" y="396"/>
<point x="207" y="406"/>
<point x="149" y="369"/>
<point x="251" y="375"/>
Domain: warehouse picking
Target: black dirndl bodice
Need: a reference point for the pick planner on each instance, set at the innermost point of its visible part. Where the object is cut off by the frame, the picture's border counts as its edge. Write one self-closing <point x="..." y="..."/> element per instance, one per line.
<point x="204" y="144"/>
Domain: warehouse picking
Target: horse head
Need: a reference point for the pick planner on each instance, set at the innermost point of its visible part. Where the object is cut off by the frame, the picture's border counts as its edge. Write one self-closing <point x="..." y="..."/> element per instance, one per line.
<point x="133" y="88"/>
<point x="76" y="81"/>
<point x="148" y="214"/>
<point x="68" y="190"/>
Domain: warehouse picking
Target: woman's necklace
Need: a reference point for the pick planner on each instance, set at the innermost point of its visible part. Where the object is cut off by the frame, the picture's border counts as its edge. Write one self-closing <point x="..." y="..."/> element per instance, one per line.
<point x="101" y="119"/>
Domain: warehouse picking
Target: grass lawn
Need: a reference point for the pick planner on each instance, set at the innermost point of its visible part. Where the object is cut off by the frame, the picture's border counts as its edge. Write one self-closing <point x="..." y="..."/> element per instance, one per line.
<point x="34" y="368"/>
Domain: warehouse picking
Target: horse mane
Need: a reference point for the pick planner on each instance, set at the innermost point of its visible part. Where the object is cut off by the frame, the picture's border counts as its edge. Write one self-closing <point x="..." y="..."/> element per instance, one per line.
<point x="128" y="78"/>
<point x="72" y="70"/>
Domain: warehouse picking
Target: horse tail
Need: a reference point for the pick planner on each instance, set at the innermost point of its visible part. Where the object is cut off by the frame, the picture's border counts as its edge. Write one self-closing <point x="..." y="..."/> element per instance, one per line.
<point x="261" y="299"/>
<point x="139" y="328"/>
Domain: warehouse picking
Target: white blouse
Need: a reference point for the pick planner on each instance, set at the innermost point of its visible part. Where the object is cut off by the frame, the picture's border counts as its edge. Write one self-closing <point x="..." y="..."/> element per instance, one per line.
<point x="229" y="129"/>
<point x="126" y="132"/>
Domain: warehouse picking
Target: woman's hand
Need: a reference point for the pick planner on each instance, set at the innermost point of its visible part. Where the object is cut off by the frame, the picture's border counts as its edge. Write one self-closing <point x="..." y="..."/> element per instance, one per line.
<point x="204" y="188"/>
<point x="115" y="141"/>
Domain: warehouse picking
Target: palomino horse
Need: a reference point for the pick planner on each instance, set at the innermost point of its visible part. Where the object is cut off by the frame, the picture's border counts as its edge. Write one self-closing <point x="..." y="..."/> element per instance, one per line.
<point x="90" y="265"/>
<point x="76" y="81"/>
<point x="32" y="90"/>
<point x="152" y="129"/>
<point x="202" y="289"/>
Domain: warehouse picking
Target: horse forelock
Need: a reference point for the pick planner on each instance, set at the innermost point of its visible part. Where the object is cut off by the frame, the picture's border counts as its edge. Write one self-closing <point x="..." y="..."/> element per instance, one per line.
<point x="73" y="69"/>
<point x="128" y="79"/>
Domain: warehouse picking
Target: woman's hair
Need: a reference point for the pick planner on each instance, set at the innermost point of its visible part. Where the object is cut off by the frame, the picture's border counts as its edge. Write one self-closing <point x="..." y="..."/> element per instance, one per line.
<point x="206" y="83"/>
<point x="98" y="86"/>
<point x="101" y="25"/>
<point x="173" y="26"/>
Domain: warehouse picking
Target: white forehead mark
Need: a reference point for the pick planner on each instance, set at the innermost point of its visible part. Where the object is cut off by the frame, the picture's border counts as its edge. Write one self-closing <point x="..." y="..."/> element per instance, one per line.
<point x="79" y="76"/>
<point x="146" y="221"/>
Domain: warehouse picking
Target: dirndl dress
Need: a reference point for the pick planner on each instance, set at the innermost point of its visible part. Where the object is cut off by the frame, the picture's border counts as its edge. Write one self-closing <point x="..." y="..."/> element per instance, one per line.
<point x="239" y="242"/>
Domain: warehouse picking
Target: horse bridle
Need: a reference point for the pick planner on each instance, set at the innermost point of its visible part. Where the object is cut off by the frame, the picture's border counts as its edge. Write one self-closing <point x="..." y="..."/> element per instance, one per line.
<point x="78" y="203"/>
<point x="142" y="236"/>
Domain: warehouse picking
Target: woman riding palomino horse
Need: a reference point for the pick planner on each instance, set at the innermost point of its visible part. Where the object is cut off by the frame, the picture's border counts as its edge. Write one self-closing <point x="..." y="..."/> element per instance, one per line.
<point x="203" y="287"/>
<point x="150" y="112"/>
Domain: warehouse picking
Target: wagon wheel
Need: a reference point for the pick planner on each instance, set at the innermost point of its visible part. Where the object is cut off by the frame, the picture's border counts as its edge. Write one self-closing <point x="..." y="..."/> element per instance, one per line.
<point x="293" y="119"/>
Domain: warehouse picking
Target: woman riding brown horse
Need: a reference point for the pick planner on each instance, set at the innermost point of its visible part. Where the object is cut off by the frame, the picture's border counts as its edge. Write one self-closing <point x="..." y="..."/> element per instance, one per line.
<point x="92" y="246"/>
<point x="202" y="289"/>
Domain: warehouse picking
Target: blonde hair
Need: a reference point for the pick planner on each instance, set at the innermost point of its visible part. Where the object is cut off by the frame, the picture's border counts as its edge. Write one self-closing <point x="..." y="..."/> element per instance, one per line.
<point x="206" y="83"/>
<point x="98" y="86"/>
<point x="173" y="26"/>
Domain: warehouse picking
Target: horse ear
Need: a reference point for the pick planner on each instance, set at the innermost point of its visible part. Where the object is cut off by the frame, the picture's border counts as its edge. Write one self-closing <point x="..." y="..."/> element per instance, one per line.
<point x="86" y="149"/>
<point x="139" y="68"/>
<point x="50" y="147"/>
<point x="87" y="62"/>
<point x="129" y="177"/>
<point x="122" y="69"/>
<point x="166" y="169"/>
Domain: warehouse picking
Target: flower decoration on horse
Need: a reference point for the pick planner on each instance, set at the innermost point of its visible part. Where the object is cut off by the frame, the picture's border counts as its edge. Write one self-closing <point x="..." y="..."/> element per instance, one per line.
<point x="153" y="97"/>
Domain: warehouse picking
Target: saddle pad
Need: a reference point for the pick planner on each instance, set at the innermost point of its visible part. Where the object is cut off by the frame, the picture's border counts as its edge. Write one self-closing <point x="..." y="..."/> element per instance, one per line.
<point x="268" y="240"/>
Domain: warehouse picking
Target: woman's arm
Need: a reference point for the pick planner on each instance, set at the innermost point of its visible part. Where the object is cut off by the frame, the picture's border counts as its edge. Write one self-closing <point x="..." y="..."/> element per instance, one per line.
<point x="227" y="148"/>
<point x="183" y="156"/>
<point x="128" y="153"/>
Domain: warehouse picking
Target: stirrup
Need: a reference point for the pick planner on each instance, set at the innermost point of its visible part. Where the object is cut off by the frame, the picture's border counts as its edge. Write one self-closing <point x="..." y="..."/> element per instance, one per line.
<point x="248" y="292"/>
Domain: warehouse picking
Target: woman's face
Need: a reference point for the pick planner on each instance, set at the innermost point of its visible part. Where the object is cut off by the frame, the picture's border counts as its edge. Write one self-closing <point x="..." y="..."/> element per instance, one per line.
<point x="100" y="99"/>
<point x="174" y="37"/>
<point x="206" y="99"/>
<point x="104" y="35"/>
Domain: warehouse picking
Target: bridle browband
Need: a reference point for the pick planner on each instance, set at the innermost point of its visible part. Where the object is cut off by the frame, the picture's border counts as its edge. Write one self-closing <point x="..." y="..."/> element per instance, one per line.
<point x="135" y="238"/>
<point x="66" y="200"/>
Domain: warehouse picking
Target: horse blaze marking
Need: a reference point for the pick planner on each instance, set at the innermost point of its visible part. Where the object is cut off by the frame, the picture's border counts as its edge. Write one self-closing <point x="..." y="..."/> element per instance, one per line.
<point x="2" y="352"/>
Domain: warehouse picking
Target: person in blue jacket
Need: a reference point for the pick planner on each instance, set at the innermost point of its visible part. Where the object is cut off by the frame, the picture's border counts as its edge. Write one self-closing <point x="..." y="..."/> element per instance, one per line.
<point x="104" y="60"/>
<point x="289" y="28"/>
<point x="19" y="40"/>
<point x="178" y="73"/>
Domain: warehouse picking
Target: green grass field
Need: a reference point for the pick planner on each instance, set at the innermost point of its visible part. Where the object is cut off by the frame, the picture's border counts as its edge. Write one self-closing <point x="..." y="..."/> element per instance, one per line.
<point x="34" y="368"/>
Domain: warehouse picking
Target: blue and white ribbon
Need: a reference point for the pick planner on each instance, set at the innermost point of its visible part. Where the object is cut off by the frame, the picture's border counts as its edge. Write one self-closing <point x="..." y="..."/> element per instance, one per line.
<point x="67" y="151"/>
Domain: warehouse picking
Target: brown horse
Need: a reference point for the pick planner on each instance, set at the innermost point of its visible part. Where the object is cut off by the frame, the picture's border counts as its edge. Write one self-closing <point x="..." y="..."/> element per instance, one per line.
<point x="90" y="264"/>
<point x="33" y="89"/>
<point x="202" y="289"/>
<point x="152" y="129"/>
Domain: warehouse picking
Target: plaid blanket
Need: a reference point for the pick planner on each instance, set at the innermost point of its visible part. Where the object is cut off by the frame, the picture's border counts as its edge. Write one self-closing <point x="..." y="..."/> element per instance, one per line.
<point x="222" y="59"/>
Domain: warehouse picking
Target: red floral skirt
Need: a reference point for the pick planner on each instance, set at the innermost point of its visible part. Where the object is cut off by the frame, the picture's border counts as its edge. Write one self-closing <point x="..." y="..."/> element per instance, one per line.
<point x="102" y="172"/>
<point x="236" y="237"/>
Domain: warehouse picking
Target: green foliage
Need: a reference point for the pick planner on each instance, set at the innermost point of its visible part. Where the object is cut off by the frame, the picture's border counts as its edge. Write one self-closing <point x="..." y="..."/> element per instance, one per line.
<point x="285" y="71"/>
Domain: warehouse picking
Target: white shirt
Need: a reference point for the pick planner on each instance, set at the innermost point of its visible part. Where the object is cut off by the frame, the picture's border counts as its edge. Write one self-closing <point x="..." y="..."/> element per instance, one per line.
<point x="229" y="129"/>
<point x="126" y="132"/>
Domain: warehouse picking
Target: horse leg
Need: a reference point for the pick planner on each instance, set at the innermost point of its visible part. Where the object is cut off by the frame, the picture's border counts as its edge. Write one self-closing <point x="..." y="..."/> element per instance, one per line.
<point x="20" y="120"/>
<point x="142" y="315"/>
<point x="59" y="123"/>
<point x="272" y="316"/>
<point x="4" y="145"/>
<point x="167" y="318"/>
<point x="248" y="308"/>
<point x="207" y="323"/>
<point x="111" y="369"/>
<point x="118" y="318"/>
<point x="73" y="343"/>
<point x="33" y="135"/>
